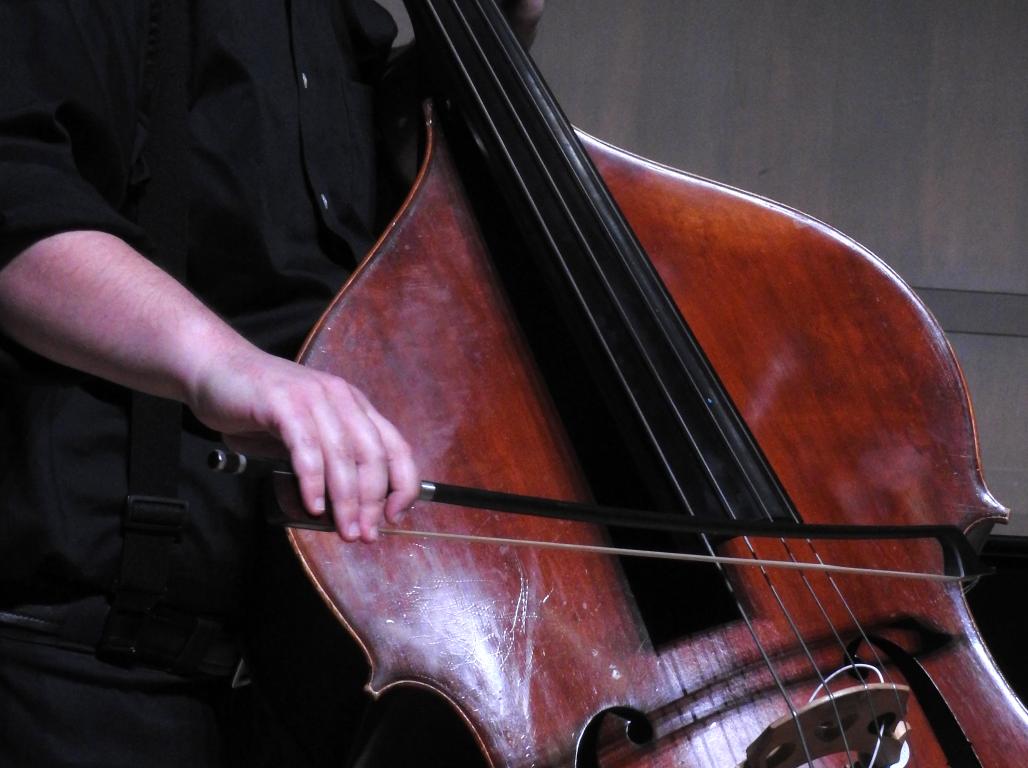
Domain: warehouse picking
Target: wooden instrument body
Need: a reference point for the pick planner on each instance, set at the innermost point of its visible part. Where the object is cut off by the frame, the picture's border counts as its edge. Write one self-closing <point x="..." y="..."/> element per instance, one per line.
<point x="842" y="376"/>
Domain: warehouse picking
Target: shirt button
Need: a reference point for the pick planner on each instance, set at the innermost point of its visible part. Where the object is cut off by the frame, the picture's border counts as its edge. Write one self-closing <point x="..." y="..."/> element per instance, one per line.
<point x="324" y="202"/>
<point x="303" y="79"/>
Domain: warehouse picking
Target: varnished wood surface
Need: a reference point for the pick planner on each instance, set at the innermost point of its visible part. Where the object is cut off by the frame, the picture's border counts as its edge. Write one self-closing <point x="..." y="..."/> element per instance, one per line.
<point x="902" y="124"/>
<point x="850" y="389"/>
<point x="490" y="627"/>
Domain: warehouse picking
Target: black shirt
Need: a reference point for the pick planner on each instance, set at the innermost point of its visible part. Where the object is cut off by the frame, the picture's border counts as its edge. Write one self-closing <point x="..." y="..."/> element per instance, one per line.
<point x="281" y="203"/>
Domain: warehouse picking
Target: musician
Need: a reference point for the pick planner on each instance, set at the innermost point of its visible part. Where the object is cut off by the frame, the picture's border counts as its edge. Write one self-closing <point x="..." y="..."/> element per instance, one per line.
<point x="282" y="203"/>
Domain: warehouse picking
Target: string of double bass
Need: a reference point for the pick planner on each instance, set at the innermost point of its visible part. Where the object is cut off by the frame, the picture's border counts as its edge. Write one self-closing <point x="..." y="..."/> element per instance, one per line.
<point x="879" y="662"/>
<point x="698" y="452"/>
<point x="785" y="612"/>
<point x="763" y="651"/>
<point x="622" y="306"/>
<point x="823" y="612"/>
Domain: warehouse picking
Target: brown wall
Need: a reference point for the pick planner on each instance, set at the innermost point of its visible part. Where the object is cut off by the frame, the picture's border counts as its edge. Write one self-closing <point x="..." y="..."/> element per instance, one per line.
<point x="900" y="123"/>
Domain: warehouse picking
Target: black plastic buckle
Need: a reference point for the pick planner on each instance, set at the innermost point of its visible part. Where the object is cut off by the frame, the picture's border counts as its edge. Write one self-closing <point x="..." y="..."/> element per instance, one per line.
<point x="152" y="528"/>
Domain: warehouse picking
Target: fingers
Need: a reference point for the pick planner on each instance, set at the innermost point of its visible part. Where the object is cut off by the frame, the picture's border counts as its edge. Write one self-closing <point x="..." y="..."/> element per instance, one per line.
<point x="300" y="437"/>
<point x="355" y="475"/>
<point x="349" y="458"/>
<point x="403" y="477"/>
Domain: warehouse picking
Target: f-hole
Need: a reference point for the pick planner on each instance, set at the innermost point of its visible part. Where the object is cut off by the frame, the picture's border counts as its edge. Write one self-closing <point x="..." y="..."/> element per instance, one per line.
<point x="634" y="725"/>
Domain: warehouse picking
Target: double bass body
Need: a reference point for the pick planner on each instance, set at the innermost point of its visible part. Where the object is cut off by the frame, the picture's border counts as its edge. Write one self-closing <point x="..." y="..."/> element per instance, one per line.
<point x="843" y="379"/>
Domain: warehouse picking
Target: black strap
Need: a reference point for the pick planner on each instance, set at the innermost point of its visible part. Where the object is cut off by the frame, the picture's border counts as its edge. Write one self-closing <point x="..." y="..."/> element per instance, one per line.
<point x="154" y="515"/>
<point x="164" y="209"/>
<point x="152" y="530"/>
<point x="154" y="437"/>
<point x="165" y="638"/>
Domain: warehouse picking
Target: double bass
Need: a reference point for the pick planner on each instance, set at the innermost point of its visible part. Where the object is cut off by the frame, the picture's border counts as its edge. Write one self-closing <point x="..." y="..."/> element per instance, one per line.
<point x="550" y="317"/>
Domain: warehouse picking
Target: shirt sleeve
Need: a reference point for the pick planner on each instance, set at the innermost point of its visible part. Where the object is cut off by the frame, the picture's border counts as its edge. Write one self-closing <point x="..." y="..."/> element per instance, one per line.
<point x="68" y="118"/>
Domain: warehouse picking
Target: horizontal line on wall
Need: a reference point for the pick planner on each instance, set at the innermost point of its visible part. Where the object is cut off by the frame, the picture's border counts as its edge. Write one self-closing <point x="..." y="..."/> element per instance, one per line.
<point x="983" y="312"/>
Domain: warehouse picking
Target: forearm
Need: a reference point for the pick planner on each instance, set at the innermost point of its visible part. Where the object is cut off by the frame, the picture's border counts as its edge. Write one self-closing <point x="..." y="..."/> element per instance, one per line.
<point x="89" y="301"/>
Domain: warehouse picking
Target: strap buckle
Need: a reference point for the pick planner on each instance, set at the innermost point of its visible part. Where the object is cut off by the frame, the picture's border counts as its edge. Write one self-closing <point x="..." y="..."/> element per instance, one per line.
<point x="152" y="528"/>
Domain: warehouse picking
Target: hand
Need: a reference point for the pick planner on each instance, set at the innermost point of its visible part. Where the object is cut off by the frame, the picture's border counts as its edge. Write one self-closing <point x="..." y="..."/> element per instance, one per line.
<point x="340" y="447"/>
<point x="524" y="18"/>
<point x="123" y="319"/>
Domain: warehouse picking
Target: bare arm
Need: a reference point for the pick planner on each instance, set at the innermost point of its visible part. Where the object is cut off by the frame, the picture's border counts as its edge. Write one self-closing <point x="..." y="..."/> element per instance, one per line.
<point x="88" y="300"/>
